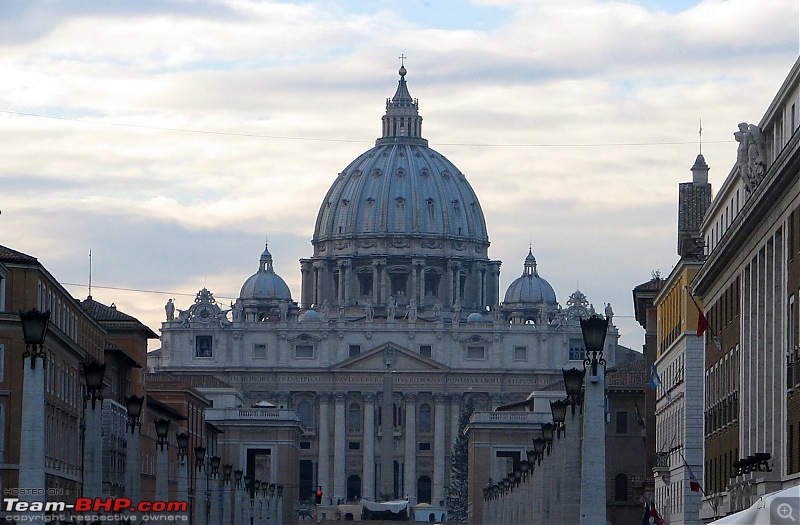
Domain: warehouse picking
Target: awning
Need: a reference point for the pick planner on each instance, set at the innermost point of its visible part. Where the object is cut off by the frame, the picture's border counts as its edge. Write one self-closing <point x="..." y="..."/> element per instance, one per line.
<point x="395" y="507"/>
<point x="782" y="506"/>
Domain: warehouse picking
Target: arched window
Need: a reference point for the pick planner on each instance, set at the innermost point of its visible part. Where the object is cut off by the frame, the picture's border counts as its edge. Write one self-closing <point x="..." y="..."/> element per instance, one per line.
<point x="621" y="487"/>
<point x="424" y="489"/>
<point x="304" y="412"/>
<point x="353" y="488"/>
<point x="354" y="417"/>
<point x="425" y="417"/>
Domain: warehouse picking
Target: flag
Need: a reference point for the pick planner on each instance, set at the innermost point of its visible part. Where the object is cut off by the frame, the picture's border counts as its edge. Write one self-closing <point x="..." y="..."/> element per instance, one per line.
<point x="693" y="483"/>
<point x="654" y="514"/>
<point x="639" y="418"/>
<point x="655" y="380"/>
<point x="646" y="517"/>
<point x="702" y="322"/>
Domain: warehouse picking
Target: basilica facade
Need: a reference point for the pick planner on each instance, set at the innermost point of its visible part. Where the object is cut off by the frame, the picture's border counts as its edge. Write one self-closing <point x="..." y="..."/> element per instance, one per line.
<point x="399" y="318"/>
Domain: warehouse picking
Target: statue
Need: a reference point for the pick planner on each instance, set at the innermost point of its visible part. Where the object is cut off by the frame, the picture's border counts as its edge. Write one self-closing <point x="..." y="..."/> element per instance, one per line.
<point x="237" y="311"/>
<point x="391" y="308"/>
<point x="456" y="312"/>
<point x="283" y="308"/>
<point x="369" y="311"/>
<point x="326" y="310"/>
<point x="497" y="313"/>
<point x="342" y="311"/>
<point x="183" y="317"/>
<point x="437" y="310"/>
<point x="609" y="313"/>
<point x="170" y="309"/>
<point x="751" y="154"/>
<point x="411" y="310"/>
<point x="542" y="318"/>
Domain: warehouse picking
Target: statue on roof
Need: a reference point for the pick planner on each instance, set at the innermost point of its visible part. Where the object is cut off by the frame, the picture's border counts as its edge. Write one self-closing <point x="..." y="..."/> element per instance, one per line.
<point x="170" y="309"/>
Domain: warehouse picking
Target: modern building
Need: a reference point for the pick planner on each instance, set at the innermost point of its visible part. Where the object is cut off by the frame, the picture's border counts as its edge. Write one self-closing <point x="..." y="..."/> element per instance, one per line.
<point x="399" y="316"/>
<point x="749" y="287"/>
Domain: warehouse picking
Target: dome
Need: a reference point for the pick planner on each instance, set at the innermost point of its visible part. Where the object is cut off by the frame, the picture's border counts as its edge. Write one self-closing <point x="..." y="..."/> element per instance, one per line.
<point x="401" y="195"/>
<point x="265" y="284"/>
<point x="475" y="317"/>
<point x="310" y="315"/>
<point x="530" y="288"/>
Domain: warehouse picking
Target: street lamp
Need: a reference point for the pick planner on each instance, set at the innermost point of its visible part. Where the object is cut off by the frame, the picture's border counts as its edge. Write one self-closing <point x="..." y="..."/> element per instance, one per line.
<point x="93" y="373"/>
<point x="215" y="461"/>
<point x="133" y="405"/>
<point x="34" y="330"/>
<point x="227" y="469"/>
<point x="594" y="336"/>
<point x="548" y="429"/>
<point x="573" y="384"/>
<point x="538" y="448"/>
<point x="183" y="443"/>
<point x="162" y="430"/>
<point x="200" y="457"/>
<point x="559" y="410"/>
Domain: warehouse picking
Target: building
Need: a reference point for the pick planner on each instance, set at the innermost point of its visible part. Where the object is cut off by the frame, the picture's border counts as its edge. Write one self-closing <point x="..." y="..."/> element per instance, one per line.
<point x="679" y="363"/>
<point x="749" y="286"/>
<point x="400" y="316"/>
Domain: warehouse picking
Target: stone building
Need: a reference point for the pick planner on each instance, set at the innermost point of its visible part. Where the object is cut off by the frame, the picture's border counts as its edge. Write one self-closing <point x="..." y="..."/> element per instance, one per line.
<point x="399" y="316"/>
<point x="749" y="287"/>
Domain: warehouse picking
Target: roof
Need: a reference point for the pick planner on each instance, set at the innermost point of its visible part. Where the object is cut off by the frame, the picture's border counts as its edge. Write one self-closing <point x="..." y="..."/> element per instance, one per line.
<point x="163" y="408"/>
<point x="629" y="375"/>
<point x="112" y="318"/>
<point x="9" y="255"/>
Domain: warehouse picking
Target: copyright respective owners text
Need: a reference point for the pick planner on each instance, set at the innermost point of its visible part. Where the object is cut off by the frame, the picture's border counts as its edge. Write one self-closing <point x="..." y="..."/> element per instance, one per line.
<point x="784" y="510"/>
<point x="56" y="506"/>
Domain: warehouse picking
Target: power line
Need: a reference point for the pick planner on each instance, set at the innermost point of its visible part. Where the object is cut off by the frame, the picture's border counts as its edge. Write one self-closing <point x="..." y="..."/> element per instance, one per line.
<point x="160" y="292"/>
<point x="348" y="141"/>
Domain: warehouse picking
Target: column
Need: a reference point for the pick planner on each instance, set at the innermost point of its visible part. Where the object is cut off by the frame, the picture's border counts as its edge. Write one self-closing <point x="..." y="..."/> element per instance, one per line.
<point x="375" y="281"/>
<point x="92" y="451"/>
<point x="368" y="474"/>
<point x="593" y="450"/>
<point x="340" y="298"/>
<point x="183" y="483"/>
<point x="226" y="503"/>
<point x="317" y="284"/>
<point x="32" y="430"/>
<point x="201" y="488"/>
<point x="162" y="472"/>
<point x="384" y="285"/>
<point x="410" y="459"/>
<point x="133" y="467"/>
<point x="306" y="284"/>
<point x="324" y="466"/>
<point x="451" y="293"/>
<point x="439" y="450"/>
<point x="339" y="477"/>
<point x="214" y="491"/>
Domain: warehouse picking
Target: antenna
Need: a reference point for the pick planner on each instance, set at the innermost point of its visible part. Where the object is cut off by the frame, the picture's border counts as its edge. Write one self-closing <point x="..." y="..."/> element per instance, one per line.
<point x="701" y="135"/>
<point x="90" y="272"/>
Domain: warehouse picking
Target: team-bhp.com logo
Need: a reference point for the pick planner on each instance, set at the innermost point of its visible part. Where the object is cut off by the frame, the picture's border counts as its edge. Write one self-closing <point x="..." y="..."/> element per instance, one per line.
<point x="87" y="509"/>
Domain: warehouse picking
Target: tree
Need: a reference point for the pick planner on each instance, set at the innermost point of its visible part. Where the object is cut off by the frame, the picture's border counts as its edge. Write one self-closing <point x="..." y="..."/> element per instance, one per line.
<point x="458" y="493"/>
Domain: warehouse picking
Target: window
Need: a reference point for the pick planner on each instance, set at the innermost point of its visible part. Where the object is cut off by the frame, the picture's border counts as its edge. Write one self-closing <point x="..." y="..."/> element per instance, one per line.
<point x="354" y="417"/>
<point x="353" y="488"/>
<point x="2" y="363"/>
<point x="305" y="445"/>
<point x="432" y="283"/>
<point x="476" y="352"/>
<point x="259" y="351"/>
<point x="424" y="489"/>
<point x="425" y="446"/>
<point x="365" y="283"/>
<point x="355" y="350"/>
<point x="577" y="350"/>
<point x="621" y="487"/>
<point x="304" y="412"/>
<point x="354" y="445"/>
<point x="304" y="351"/>
<point x="202" y="346"/>
<point x="425" y="350"/>
<point x="425" y="417"/>
<point x="520" y="353"/>
<point x="622" y="422"/>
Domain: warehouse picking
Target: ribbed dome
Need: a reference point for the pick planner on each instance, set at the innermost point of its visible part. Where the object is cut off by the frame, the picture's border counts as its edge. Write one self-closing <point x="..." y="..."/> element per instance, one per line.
<point x="265" y="284"/>
<point x="530" y="288"/>
<point x="401" y="193"/>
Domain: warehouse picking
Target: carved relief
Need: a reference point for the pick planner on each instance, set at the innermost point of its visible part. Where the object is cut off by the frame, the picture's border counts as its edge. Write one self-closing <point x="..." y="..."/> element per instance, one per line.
<point x="751" y="155"/>
<point x="431" y="244"/>
<point x="400" y="243"/>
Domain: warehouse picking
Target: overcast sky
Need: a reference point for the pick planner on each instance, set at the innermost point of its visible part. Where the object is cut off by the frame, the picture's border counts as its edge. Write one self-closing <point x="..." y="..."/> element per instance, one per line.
<point x="169" y="138"/>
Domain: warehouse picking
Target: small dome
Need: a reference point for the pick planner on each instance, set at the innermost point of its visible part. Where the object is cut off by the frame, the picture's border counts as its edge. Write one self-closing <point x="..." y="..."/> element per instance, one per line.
<point x="265" y="284"/>
<point x="530" y="288"/>
<point x="475" y="317"/>
<point x="310" y="315"/>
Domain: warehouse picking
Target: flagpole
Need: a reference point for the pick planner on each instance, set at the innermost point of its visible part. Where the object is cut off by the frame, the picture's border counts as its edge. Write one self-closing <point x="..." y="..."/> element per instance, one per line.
<point x="714" y="339"/>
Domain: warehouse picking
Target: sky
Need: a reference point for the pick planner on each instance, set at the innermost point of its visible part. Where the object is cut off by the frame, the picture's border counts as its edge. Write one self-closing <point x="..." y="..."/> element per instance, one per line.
<point x="171" y="138"/>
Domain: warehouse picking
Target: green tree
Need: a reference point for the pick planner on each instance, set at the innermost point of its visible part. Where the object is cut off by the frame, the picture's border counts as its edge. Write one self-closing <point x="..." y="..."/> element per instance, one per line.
<point x="458" y="493"/>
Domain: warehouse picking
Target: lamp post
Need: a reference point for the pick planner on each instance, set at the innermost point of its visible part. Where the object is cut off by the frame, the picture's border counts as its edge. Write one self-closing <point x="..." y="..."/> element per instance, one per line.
<point x="201" y="486"/>
<point x="183" y="476"/>
<point x="133" y="484"/>
<point x="32" y="428"/>
<point x="593" y="446"/>
<point x="238" y="496"/>
<point x="93" y="373"/>
<point x="227" y="470"/>
<point x="213" y="491"/>
<point x="162" y="463"/>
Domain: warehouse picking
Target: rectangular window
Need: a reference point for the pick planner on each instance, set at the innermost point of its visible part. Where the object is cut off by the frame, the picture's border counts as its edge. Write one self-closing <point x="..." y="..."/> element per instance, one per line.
<point x="577" y="350"/>
<point x="305" y="445"/>
<point x="2" y="363"/>
<point x="476" y="352"/>
<point x="520" y="353"/>
<point x="304" y="351"/>
<point x="202" y="346"/>
<point x="622" y="422"/>
<point x="259" y="351"/>
<point x="355" y="350"/>
<point x="425" y="350"/>
<point x="424" y="446"/>
<point x="354" y="445"/>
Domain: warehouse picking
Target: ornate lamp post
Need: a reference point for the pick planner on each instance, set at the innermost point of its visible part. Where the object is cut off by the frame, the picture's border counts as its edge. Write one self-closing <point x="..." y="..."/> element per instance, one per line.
<point x="201" y="486"/>
<point x="93" y="373"/>
<point x="32" y="431"/>
<point x="183" y="476"/>
<point x="593" y="446"/>
<point x="162" y="463"/>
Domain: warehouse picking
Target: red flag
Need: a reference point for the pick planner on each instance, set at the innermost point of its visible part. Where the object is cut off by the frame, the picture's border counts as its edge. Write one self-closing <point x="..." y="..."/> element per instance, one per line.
<point x="702" y="322"/>
<point x="693" y="483"/>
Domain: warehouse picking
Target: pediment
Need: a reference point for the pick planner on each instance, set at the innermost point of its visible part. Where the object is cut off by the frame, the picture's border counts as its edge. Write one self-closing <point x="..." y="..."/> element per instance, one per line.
<point x="404" y="359"/>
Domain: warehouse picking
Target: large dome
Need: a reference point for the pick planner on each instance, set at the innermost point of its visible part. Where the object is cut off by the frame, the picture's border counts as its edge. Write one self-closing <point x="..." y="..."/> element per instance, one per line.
<point x="401" y="194"/>
<point x="265" y="284"/>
